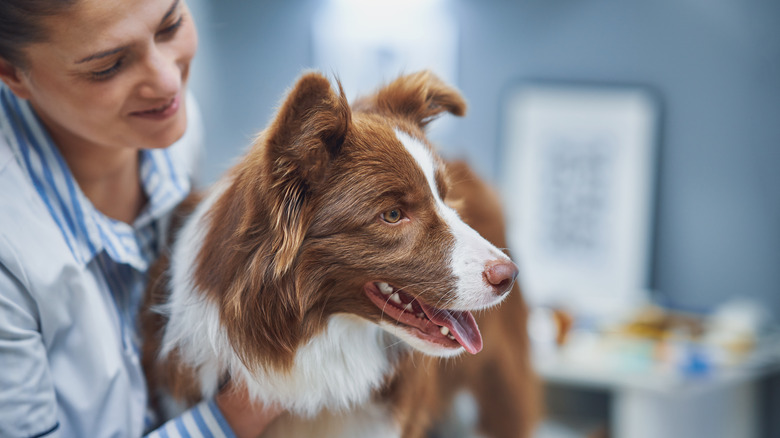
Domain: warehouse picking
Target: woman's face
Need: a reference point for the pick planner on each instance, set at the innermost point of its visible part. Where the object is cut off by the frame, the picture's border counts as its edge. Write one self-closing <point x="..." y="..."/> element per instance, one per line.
<point x="113" y="73"/>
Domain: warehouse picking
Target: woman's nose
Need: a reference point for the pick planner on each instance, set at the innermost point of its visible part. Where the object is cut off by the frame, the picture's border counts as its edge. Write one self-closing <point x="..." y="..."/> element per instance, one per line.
<point x="162" y="75"/>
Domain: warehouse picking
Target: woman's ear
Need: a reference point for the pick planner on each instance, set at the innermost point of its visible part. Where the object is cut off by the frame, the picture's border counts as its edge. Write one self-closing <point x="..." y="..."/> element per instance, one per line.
<point x="14" y="78"/>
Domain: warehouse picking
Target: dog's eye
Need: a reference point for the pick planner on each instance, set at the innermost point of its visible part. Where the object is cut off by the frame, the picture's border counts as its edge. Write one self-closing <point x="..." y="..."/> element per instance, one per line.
<point x="392" y="216"/>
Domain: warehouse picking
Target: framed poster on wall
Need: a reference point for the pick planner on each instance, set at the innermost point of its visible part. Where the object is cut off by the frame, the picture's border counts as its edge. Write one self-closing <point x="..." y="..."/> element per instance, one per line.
<point x="578" y="179"/>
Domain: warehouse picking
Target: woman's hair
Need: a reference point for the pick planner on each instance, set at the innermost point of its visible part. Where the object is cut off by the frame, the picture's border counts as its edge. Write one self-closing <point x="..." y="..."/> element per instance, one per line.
<point x="21" y="24"/>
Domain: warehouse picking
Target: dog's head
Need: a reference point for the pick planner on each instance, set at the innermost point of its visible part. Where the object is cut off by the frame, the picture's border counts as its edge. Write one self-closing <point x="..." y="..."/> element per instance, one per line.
<point x="340" y="209"/>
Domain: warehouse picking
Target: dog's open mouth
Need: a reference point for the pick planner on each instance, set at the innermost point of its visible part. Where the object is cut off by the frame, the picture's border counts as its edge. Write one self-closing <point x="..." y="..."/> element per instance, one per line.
<point x="446" y="327"/>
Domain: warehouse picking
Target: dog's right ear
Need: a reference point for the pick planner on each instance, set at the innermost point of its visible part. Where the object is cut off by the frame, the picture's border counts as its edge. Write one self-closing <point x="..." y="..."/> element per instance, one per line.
<point x="308" y="129"/>
<point x="265" y="206"/>
<point x="305" y="136"/>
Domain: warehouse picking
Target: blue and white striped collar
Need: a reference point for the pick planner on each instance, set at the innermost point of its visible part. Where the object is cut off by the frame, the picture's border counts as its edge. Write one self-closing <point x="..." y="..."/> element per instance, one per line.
<point x="85" y="229"/>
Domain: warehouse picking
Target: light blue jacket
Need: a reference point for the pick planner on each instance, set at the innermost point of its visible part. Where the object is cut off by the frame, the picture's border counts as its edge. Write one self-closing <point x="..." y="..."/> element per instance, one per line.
<point x="71" y="281"/>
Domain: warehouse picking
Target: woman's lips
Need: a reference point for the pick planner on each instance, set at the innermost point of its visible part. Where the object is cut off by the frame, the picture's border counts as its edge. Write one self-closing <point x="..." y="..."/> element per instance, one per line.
<point x="161" y="112"/>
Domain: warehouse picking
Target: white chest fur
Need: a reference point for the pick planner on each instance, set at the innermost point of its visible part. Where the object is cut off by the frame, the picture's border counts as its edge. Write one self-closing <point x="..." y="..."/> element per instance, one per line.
<point x="338" y="369"/>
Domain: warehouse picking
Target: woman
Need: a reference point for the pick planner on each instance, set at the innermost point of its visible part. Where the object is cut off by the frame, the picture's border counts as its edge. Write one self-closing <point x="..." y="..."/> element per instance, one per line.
<point x="98" y="142"/>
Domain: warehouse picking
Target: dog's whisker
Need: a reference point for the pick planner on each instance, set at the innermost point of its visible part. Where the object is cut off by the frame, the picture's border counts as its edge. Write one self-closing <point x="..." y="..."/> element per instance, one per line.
<point x="394" y="344"/>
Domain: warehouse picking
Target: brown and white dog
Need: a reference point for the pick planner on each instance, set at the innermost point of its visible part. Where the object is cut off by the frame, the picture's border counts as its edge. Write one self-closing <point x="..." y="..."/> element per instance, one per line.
<point x="329" y="272"/>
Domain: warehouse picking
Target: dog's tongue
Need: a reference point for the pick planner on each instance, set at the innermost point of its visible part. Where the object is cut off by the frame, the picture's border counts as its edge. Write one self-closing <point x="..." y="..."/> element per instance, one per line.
<point x="461" y="324"/>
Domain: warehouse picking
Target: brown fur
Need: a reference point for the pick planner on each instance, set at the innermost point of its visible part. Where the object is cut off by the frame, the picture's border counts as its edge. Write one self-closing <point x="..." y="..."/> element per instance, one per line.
<point x="296" y="234"/>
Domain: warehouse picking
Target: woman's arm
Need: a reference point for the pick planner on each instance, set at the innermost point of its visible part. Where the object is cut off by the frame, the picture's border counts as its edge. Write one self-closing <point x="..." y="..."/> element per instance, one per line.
<point x="229" y="414"/>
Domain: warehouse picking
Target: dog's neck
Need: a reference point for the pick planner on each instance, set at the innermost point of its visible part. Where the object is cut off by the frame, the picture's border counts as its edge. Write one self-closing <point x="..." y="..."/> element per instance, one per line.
<point x="339" y="367"/>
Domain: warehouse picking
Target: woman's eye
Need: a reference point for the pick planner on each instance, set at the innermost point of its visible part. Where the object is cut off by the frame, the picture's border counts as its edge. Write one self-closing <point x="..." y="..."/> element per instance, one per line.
<point x="392" y="216"/>
<point x="107" y="73"/>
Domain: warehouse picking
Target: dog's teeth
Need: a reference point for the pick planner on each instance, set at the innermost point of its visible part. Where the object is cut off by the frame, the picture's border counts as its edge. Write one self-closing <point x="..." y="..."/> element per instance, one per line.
<point x="395" y="298"/>
<point x="444" y="330"/>
<point x="451" y="337"/>
<point x="408" y="307"/>
<point x="385" y="288"/>
<point x="421" y="315"/>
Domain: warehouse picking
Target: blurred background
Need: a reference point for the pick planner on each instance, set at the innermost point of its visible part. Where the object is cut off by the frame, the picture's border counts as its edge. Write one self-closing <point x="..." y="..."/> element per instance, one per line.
<point x="695" y="352"/>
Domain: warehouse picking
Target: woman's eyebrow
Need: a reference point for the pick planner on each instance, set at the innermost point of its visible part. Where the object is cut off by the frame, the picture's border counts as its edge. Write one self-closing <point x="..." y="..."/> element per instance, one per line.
<point x="110" y="52"/>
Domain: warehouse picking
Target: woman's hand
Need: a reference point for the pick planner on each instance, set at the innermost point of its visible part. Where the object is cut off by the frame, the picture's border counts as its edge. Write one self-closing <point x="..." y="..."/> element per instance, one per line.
<point x="247" y="419"/>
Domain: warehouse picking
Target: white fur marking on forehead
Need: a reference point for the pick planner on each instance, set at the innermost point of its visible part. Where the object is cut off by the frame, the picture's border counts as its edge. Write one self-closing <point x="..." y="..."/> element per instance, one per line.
<point x="422" y="156"/>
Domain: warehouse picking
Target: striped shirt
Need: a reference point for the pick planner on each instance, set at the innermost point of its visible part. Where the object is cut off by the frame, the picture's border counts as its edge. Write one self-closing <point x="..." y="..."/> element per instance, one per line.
<point x="71" y="283"/>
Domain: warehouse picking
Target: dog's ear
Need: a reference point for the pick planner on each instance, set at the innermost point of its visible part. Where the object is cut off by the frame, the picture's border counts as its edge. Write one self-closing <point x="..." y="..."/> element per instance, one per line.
<point x="308" y="129"/>
<point x="305" y="136"/>
<point x="420" y="96"/>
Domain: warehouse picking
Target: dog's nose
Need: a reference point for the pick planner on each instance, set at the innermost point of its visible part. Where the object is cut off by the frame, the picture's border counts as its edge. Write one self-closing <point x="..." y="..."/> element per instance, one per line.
<point x="501" y="275"/>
